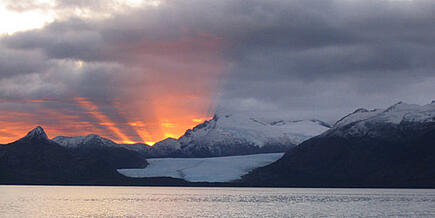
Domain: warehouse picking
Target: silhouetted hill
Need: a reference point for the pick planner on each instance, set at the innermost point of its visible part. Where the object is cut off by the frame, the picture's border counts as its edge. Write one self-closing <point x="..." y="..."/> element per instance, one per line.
<point x="379" y="148"/>
<point x="36" y="159"/>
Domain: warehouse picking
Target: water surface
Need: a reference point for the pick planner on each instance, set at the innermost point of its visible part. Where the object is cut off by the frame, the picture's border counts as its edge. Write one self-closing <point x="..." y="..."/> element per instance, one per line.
<point x="86" y="201"/>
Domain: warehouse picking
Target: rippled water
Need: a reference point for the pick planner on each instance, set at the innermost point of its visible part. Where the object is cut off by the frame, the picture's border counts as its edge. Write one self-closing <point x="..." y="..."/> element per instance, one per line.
<point x="73" y="201"/>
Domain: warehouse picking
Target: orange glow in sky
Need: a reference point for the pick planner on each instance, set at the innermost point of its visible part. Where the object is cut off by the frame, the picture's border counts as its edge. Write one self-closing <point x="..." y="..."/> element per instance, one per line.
<point x="93" y="110"/>
<point x="172" y="123"/>
<point x="170" y="87"/>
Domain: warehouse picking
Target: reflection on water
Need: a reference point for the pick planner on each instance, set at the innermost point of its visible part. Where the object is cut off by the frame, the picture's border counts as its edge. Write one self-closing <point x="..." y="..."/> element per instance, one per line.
<point x="73" y="201"/>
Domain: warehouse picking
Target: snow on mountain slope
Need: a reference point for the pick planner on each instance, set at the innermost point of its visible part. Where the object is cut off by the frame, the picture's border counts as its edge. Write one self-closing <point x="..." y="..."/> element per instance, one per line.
<point x="408" y="113"/>
<point x="227" y="135"/>
<point x="301" y="129"/>
<point x="394" y="147"/>
<point x="164" y="147"/>
<point x="216" y="169"/>
<point x="359" y="114"/>
<point x="224" y="135"/>
<point x="96" y="140"/>
<point x="37" y="133"/>
<point x="363" y="122"/>
<point x="76" y="141"/>
<point x="224" y="129"/>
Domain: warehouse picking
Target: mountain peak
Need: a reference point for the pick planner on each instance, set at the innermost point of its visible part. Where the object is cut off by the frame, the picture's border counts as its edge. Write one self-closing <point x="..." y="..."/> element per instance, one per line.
<point x="93" y="136"/>
<point x="399" y="104"/>
<point x="37" y="133"/>
<point x="91" y="139"/>
<point x="360" y="110"/>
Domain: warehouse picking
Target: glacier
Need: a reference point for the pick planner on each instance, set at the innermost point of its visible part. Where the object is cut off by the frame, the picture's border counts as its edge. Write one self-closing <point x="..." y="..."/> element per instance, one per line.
<point x="215" y="169"/>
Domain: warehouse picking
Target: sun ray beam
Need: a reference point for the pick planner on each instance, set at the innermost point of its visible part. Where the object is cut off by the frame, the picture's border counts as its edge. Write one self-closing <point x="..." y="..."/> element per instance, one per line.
<point x="104" y="120"/>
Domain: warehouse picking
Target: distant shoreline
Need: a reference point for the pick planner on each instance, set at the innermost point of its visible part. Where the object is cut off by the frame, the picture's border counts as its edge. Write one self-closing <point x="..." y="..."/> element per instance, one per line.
<point x="208" y="185"/>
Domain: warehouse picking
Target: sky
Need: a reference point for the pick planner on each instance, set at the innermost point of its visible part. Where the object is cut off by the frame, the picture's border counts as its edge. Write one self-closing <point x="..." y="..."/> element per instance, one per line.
<point x="142" y="70"/>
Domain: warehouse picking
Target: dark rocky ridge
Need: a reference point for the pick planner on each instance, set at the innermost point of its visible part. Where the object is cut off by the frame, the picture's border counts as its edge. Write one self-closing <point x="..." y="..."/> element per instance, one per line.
<point x="382" y="153"/>
<point x="36" y="159"/>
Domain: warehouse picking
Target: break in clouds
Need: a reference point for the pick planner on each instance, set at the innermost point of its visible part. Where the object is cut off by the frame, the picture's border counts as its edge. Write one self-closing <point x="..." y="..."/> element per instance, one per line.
<point x="151" y="71"/>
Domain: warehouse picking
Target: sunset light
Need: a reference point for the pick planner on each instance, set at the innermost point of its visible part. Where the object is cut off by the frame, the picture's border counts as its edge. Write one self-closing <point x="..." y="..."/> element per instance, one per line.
<point x="16" y="124"/>
<point x="217" y="108"/>
<point x="156" y="104"/>
<point x="104" y="120"/>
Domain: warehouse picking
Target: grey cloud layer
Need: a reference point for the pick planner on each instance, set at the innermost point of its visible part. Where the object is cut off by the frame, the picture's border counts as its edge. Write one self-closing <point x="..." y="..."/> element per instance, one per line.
<point x="295" y="59"/>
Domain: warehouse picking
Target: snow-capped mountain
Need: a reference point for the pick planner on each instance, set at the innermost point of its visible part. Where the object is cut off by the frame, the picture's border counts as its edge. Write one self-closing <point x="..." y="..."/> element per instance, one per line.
<point x="96" y="147"/>
<point x="95" y="141"/>
<point x="230" y="129"/>
<point x="373" y="123"/>
<point x="35" y="159"/>
<point x="37" y="133"/>
<point x="224" y="135"/>
<point x="227" y="135"/>
<point x="164" y="148"/>
<point x="73" y="142"/>
<point x="393" y="147"/>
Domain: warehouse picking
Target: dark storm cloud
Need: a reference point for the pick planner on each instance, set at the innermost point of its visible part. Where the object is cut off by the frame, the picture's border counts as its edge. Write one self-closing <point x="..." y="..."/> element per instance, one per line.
<point x="296" y="59"/>
<point x="327" y="38"/>
<point x="326" y="58"/>
<point x="16" y="62"/>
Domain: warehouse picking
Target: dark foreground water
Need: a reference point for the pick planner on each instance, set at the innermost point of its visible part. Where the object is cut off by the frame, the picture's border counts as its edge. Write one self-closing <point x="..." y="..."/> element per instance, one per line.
<point x="80" y="201"/>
